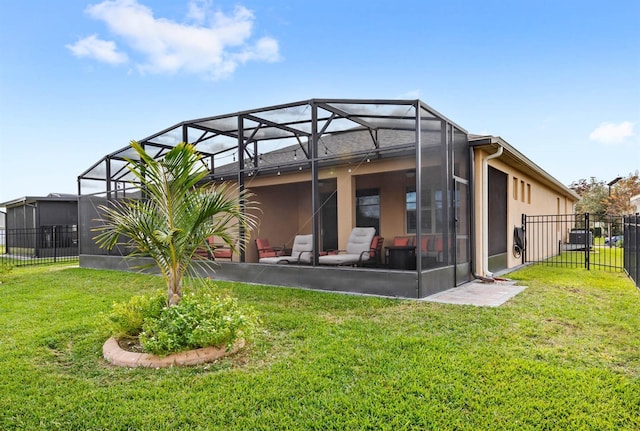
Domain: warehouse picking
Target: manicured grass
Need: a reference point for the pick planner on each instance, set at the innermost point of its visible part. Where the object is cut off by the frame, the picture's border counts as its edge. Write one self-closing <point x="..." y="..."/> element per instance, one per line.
<point x="600" y="257"/>
<point x="564" y="354"/>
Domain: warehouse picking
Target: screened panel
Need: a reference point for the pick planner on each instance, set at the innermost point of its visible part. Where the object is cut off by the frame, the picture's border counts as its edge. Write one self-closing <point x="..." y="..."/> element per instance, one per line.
<point x="433" y="195"/>
<point x="373" y="109"/>
<point x="462" y="233"/>
<point x="172" y="138"/>
<point x="98" y="172"/>
<point x="328" y="191"/>
<point x="224" y="124"/>
<point x="286" y="115"/>
<point x="89" y="216"/>
<point x="460" y="154"/>
<point x="127" y="153"/>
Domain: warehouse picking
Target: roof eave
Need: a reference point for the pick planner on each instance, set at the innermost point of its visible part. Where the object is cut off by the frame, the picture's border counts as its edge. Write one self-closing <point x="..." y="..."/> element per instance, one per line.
<point x="495" y="141"/>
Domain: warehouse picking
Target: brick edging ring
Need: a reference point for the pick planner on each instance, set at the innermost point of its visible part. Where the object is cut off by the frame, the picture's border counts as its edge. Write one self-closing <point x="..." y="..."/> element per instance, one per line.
<point x="117" y="356"/>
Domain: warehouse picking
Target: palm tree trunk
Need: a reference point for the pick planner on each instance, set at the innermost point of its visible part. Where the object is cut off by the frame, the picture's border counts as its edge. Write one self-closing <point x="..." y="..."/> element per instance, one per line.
<point x="174" y="289"/>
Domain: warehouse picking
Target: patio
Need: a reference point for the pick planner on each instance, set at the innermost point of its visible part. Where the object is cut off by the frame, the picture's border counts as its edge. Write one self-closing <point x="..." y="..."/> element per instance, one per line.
<point x="323" y="167"/>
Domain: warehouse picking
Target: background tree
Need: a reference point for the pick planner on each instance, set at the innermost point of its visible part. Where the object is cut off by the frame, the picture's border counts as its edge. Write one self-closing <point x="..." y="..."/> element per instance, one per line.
<point x="592" y="196"/>
<point x="178" y="213"/>
<point x="621" y="193"/>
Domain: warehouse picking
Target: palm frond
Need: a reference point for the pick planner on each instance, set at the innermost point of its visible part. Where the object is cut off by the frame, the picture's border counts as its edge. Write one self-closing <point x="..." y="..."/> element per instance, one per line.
<point x="177" y="213"/>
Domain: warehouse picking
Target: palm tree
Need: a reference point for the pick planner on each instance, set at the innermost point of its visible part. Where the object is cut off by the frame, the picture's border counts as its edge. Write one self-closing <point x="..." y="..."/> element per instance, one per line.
<point x="178" y="213"/>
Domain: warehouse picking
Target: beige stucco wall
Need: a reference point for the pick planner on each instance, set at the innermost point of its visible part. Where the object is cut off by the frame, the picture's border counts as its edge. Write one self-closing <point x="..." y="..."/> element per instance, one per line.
<point x="285" y="201"/>
<point x="541" y="200"/>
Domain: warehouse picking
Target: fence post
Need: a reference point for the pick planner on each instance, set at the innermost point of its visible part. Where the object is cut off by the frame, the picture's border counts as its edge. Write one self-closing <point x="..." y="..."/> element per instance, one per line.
<point x="524" y="231"/>
<point x="587" y="246"/>
<point x="55" y="245"/>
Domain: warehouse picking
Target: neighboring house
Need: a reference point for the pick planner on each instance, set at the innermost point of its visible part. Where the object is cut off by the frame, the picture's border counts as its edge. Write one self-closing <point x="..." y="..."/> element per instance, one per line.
<point x="42" y="223"/>
<point x="3" y="217"/>
<point x="635" y="202"/>
<point x="326" y="166"/>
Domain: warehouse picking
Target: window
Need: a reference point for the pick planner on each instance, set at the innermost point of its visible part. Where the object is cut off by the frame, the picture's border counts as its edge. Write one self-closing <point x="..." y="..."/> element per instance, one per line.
<point x="515" y="188"/>
<point x="410" y="209"/>
<point x="368" y="208"/>
<point x="432" y="210"/>
<point x="522" y="187"/>
<point x="528" y="193"/>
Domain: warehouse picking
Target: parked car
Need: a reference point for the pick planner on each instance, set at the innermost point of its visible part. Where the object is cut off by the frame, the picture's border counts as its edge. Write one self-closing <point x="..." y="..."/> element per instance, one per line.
<point x="614" y="240"/>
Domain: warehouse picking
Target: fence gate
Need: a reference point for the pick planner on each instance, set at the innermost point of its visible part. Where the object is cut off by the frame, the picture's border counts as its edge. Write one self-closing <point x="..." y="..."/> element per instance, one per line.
<point x="575" y="240"/>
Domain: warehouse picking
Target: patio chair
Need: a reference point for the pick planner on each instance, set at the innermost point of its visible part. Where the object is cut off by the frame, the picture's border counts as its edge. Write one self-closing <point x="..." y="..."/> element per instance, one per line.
<point x="358" y="249"/>
<point x="214" y="251"/>
<point x="265" y="250"/>
<point x="432" y="247"/>
<point x="375" y="252"/>
<point x="221" y="251"/>
<point x="204" y="252"/>
<point x="300" y="252"/>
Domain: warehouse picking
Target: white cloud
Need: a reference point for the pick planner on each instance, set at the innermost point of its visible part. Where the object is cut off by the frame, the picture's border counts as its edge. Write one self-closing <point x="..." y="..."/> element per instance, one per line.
<point x="214" y="44"/>
<point x="610" y="133"/>
<point x="198" y="10"/>
<point x="101" y="50"/>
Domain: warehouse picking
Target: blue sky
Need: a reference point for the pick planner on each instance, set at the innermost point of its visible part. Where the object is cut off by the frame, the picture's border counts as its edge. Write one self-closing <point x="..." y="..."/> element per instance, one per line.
<point x="559" y="79"/>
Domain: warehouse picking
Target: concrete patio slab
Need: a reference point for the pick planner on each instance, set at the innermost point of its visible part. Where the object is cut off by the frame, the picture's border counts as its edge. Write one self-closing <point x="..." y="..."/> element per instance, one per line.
<point x="478" y="293"/>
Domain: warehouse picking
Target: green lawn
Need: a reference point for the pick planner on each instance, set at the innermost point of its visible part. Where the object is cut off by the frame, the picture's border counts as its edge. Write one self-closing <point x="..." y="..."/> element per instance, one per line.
<point x="600" y="257"/>
<point x="564" y="354"/>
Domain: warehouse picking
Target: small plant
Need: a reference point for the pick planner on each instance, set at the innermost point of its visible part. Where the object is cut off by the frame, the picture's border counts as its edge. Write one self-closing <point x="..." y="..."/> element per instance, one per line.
<point x="199" y="320"/>
<point x="126" y="318"/>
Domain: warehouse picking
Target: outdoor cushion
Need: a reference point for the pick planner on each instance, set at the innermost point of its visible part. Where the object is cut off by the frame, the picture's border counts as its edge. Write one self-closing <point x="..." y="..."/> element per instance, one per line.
<point x="222" y="253"/>
<point x="300" y="252"/>
<point x="264" y="249"/>
<point x="357" y="251"/>
<point x="401" y="241"/>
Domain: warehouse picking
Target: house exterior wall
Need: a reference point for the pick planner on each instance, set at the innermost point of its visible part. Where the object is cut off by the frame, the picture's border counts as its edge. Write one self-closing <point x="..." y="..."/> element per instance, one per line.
<point x="3" y="217"/>
<point x="635" y="202"/>
<point x="356" y="145"/>
<point x="285" y="210"/>
<point x="285" y="201"/>
<point x="538" y="199"/>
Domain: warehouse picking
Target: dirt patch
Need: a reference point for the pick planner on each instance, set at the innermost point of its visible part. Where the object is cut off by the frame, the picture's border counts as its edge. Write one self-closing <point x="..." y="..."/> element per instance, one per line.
<point x="130" y="344"/>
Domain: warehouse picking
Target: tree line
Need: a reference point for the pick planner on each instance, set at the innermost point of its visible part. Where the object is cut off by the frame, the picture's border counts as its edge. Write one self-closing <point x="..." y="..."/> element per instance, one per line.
<point x="602" y="198"/>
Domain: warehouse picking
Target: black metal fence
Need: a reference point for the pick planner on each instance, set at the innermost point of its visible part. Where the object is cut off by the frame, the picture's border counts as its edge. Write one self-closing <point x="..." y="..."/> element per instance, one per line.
<point x="575" y="240"/>
<point x="631" y="251"/>
<point x="47" y="244"/>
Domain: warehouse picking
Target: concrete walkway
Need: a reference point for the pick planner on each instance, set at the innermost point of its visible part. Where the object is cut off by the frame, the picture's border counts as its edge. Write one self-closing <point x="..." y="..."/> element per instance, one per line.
<point x="478" y="293"/>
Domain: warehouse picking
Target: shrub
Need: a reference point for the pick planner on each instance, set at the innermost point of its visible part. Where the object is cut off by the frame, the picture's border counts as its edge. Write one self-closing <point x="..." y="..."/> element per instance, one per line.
<point x="127" y="318"/>
<point x="198" y="320"/>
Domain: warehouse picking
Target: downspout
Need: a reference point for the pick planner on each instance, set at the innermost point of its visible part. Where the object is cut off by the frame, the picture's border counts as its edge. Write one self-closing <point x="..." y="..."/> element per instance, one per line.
<point x="485" y="210"/>
<point x="472" y="206"/>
